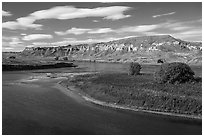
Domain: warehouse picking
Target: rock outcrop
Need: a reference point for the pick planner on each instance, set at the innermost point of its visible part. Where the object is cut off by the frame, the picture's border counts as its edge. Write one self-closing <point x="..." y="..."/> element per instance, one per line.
<point x="146" y="49"/>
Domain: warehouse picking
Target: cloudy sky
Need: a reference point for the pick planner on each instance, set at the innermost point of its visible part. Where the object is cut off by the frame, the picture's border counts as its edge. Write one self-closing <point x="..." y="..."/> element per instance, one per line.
<point x="54" y="24"/>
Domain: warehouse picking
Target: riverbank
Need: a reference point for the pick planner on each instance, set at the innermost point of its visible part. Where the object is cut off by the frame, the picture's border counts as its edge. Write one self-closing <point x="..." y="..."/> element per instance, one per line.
<point x="71" y="90"/>
<point x="13" y="67"/>
<point x="111" y="91"/>
<point x="42" y="108"/>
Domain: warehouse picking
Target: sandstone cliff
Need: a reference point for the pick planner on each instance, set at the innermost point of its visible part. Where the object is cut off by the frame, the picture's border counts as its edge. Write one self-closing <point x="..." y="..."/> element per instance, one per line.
<point x="146" y="49"/>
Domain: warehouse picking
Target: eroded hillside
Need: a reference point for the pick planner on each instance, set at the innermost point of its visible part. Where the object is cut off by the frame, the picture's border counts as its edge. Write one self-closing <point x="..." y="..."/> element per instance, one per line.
<point x="146" y="49"/>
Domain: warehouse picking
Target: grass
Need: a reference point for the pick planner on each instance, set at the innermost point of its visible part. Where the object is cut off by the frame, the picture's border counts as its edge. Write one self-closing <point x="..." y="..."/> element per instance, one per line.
<point x="141" y="91"/>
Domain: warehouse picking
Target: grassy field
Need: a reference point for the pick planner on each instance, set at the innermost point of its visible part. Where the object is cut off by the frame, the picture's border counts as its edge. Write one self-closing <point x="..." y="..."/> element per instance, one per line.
<point x="141" y="91"/>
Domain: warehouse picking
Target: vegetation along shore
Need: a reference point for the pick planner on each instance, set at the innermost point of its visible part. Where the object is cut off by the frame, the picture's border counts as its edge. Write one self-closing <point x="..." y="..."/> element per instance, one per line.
<point x="12" y="67"/>
<point x="140" y="92"/>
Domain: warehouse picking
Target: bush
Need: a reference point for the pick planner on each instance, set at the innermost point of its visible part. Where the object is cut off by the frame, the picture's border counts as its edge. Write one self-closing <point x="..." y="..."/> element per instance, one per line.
<point x="65" y="58"/>
<point x="134" y="68"/>
<point x="56" y="58"/>
<point x="11" y="57"/>
<point x="161" y="61"/>
<point x="175" y="72"/>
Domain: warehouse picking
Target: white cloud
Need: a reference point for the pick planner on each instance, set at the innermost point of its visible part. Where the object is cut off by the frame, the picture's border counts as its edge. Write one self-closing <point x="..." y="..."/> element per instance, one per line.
<point x="187" y="28"/>
<point x="159" y="15"/>
<point x="169" y="25"/>
<point x="13" y="25"/>
<point x="70" y="39"/>
<point x="6" y="13"/>
<point x="90" y="40"/>
<point x="26" y="20"/>
<point x="47" y="44"/>
<point x="70" y="12"/>
<point x="117" y="16"/>
<point x="36" y="37"/>
<point x="64" y="13"/>
<point x="79" y="31"/>
<point x="42" y="44"/>
<point x="76" y="31"/>
<point x="139" y="28"/>
<point x="61" y="33"/>
<point x="22" y="23"/>
<point x="100" y="30"/>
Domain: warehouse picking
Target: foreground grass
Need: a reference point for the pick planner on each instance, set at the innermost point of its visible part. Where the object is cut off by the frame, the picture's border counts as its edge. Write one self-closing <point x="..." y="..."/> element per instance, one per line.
<point x="142" y="92"/>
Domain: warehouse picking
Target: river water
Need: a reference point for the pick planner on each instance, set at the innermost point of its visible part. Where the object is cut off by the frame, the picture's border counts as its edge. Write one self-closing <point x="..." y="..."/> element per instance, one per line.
<point x="33" y="104"/>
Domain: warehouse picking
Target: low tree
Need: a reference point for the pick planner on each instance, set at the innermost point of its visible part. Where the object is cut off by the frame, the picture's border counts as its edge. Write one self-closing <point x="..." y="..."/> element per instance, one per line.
<point x="56" y="58"/>
<point x="11" y="57"/>
<point x="175" y="72"/>
<point x="65" y="58"/>
<point x="134" y="68"/>
<point x="161" y="61"/>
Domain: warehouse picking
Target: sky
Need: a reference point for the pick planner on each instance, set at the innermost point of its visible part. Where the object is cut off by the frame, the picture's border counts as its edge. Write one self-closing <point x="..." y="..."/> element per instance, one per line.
<point x="45" y="24"/>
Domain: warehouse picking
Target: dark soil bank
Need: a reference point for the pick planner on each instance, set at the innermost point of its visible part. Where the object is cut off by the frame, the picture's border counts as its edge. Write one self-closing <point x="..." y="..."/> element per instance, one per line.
<point x="6" y="67"/>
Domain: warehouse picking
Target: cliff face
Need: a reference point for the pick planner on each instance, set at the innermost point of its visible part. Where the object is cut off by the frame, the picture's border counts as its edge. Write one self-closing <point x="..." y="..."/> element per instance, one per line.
<point x="146" y="49"/>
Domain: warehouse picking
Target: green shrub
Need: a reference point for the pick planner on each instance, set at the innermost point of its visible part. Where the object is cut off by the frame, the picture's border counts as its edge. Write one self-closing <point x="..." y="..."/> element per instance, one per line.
<point x="161" y="61"/>
<point x="56" y="58"/>
<point x="65" y="58"/>
<point x="141" y="92"/>
<point x="175" y="72"/>
<point x="134" y="68"/>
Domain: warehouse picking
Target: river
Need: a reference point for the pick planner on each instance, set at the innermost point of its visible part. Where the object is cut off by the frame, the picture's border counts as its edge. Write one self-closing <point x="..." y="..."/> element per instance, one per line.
<point x="33" y="104"/>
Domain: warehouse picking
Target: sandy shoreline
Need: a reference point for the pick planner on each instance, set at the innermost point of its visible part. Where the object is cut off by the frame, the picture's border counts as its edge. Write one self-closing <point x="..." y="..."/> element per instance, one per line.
<point x="86" y="97"/>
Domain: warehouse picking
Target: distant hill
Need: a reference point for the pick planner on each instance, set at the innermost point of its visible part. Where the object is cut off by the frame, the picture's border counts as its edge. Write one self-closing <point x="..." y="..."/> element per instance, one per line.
<point x="145" y="49"/>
